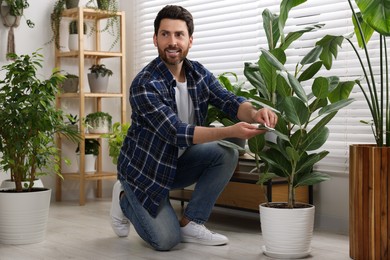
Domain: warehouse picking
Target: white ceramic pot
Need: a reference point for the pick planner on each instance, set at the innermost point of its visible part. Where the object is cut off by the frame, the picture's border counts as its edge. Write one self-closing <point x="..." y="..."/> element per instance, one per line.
<point x="24" y="216"/>
<point x="89" y="163"/>
<point x="287" y="233"/>
<point x="102" y="126"/>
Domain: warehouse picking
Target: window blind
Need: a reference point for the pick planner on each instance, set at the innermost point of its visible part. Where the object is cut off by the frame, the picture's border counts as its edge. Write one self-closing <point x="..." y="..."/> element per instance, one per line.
<point x="229" y="33"/>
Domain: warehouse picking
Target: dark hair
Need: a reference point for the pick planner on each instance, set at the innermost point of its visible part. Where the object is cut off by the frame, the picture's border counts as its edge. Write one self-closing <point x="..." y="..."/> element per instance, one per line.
<point x="174" y="12"/>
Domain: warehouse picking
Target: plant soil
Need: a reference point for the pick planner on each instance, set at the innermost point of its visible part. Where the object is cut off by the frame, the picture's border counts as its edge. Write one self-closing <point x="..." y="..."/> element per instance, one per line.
<point x="284" y="205"/>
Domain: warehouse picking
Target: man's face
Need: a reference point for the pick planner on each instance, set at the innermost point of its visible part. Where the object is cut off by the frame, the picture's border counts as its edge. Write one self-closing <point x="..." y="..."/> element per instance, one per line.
<point x="172" y="41"/>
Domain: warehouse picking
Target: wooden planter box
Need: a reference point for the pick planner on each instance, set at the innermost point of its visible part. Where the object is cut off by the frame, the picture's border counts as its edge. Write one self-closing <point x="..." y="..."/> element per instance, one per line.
<point x="369" y="194"/>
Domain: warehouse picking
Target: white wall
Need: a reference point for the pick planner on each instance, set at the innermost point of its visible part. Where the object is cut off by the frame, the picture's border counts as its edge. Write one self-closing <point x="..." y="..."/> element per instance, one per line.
<point x="330" y="197"/>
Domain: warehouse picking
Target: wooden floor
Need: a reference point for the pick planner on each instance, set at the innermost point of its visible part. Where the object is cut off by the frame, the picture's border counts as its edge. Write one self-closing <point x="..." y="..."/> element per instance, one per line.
<point x="84" y="232"/>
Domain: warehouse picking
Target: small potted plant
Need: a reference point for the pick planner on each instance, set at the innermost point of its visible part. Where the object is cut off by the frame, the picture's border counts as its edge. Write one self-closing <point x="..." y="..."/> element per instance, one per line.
<point x="115" y="139"/>
<point x="73" y="42"/>
<point x="56" y="17"/>
<point x="91" y="152"/>
<point x="98" y="78"/>
<point x="13" y="11"/>
<point x="98" y="122"/>
<point x="70" y="84"/>
<point x="72" y="122"/>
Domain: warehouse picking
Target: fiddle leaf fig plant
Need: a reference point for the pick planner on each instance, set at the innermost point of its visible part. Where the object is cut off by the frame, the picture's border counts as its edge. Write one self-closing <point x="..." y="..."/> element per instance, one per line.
<point x="30" y="121"/>
<point x="304" y="100"/>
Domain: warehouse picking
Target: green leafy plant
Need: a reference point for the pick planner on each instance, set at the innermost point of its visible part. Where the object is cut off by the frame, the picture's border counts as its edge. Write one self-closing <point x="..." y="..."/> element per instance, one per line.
<point x="91" y="146"/>
<point x="112" y="26"/>
<point x="16" y="8"/>
<point x="237" y="88"/>
<point x="72" y="119"/>
<point x="29" y="120"/>
<point x="73" y="27"/>
<point x="115" y="140"/>
<point x="55" y="22"/>
<point x="100" y="70"/>
<point x="374" y="16"/>
<point x="303" y="109"/>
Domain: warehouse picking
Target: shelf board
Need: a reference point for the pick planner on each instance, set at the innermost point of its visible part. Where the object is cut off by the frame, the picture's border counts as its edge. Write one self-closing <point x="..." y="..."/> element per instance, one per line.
<point x="90" y="176"/>
<point x="90" y="13"/>
<point x="91" y="95"/>
<point x="90" y="54"/>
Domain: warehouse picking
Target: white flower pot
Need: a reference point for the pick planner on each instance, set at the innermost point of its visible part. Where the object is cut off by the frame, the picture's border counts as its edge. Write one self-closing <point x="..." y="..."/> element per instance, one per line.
<point x="287" y="233"/>
<point x="89" y="163"/>
<point x="24" y="216"/>
<point x="101" y="127"/>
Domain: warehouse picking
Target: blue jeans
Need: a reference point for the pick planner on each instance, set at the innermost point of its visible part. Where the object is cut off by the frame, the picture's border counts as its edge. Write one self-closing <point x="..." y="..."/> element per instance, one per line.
<point x="208" y="165"/>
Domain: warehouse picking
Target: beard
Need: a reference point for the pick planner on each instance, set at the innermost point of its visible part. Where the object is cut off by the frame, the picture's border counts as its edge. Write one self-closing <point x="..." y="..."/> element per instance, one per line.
<point x="176" y="57"/>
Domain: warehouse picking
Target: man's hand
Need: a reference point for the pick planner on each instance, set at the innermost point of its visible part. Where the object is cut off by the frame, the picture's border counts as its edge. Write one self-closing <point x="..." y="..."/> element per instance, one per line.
<point x="266" y="117"/>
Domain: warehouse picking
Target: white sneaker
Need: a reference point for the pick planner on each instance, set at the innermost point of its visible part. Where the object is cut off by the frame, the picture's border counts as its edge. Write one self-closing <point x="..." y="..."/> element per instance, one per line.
<point x="119" y="223"/>
<point x="196" y="233"/>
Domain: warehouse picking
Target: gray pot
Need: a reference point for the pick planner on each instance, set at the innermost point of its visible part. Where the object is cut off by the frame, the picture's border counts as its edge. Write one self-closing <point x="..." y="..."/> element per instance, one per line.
<point x="70" y="85"/>
<point x="97" y="84"/>
<point x="71" y="3"/>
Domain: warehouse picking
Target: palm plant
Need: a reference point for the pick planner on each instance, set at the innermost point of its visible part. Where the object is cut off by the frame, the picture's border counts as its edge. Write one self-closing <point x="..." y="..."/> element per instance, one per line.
<point x="374" y="16"/>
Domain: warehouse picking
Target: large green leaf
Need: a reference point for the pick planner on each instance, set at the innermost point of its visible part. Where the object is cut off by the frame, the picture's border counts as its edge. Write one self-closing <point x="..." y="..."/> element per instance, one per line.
<point x="342" y="91"/>
<point x="295" y="110"/>
<point x="293" y="36"/>
<point x="273" y="60"/>
<point x="270" y="25"/>
<point x="253" y="75"/>
<point x="310" y="72"/>
<point x="298" y="89"/>
<point x="315" y="141"/>
<point x="256" y="144"/>
<point x="330" y="44"/>
<point x="377" y="14"/>
<point x="276" y="160"/>
<point x="336" y="106"/>
<point x="312" y="56"/>
<point x="367" y="30"/>
<point x="285" y="7"/>
<point x="268" y="71"/>
<point x="320" y="87"/>
<point x="311" y="179"/>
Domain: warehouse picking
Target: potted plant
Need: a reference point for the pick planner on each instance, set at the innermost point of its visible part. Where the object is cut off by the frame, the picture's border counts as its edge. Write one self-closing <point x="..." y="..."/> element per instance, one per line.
<point x="369" y="163"/>
<point x="11" y="13"/>
<point x="98" y="78"/>
<point x="56" y="18"/>
<point x="73" y="42"/>
<point x="27" y="143"/>
<point x="115" y="140"/>
<point x="112" y="26"/>
<point x="98" y="122"/>
<point x="72" y="122"/>
<point x="91" y="151"/>
<point x="70" y="83"/>
<point x="15" y="9"/>
<point x="304" y="112"/>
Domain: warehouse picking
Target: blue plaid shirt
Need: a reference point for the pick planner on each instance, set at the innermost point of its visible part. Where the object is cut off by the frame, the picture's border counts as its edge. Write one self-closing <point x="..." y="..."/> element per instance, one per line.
<point x="149" y="154"/>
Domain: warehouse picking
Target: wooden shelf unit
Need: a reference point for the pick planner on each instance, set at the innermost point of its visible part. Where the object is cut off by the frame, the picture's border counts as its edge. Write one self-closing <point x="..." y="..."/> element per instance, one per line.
<point x="95" y="16"/>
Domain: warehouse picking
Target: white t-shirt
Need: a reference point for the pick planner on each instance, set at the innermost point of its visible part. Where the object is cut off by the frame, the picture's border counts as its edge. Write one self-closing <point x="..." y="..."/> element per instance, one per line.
<point x="185" y="107"/>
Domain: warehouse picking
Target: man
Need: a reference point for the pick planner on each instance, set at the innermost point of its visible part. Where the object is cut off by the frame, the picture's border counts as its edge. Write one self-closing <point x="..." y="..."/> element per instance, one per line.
<point x="167" y="147"/>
